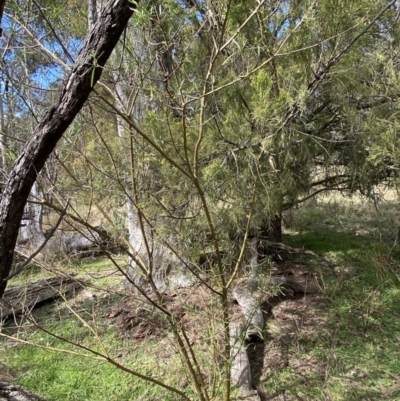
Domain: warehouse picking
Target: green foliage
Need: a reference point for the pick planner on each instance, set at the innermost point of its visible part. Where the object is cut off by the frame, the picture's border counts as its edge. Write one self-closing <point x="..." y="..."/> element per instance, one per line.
<point x="228" y="112"/>
<point x="272" y="122"/>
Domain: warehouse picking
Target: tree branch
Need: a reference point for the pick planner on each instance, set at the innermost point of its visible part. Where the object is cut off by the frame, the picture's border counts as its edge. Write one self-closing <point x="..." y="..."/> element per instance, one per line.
<point x="78" y="85"/>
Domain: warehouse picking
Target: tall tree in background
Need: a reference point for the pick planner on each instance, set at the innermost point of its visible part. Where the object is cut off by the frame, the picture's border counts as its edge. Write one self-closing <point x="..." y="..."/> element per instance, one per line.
<point x="85" y="72"/>
<point x="251" y="109"/>
<point x="287" y="102"/>
<point x="211" y="119"/>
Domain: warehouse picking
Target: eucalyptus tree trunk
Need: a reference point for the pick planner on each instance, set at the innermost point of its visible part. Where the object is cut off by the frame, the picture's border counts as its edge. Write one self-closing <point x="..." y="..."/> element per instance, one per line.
<point x="83" y="75"/>
<point x="3" y="139"/>
<point x="159" y="261"/>
<point x="272" y="230"/>
<point x="93" y="9"/>
<point x="11" y="392"/>
<point x="155" y="259"/>
<point x="31" y="235"/>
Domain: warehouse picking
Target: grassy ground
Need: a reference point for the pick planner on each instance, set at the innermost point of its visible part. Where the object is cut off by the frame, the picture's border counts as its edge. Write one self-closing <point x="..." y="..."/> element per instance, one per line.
<point x="340" y="343"/>
<point x="52" y="365"/>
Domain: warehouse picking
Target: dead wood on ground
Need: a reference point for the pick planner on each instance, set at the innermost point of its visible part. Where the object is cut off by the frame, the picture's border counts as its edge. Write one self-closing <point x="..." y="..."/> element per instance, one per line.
<point x="23" y="298"/>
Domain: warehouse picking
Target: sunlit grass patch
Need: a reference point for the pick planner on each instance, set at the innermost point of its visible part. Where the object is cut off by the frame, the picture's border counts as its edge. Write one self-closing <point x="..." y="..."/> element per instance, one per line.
<point x="341" y="343"/>
<point x="60" y="366"/>
<point x="354" y="353"/>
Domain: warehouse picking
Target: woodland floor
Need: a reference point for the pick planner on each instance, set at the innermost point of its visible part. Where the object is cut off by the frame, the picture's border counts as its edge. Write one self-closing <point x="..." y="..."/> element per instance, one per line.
<point x="339" y="342"/>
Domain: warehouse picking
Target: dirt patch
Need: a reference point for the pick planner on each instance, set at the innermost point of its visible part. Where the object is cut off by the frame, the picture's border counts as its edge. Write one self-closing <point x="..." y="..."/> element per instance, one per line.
<point x="297" y="317"/>
<point x="139" y="324"/>
<point x="138" y="319"/>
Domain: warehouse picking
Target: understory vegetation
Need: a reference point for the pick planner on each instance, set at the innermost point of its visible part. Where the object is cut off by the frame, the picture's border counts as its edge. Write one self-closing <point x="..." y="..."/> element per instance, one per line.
<point x="341" y="341"/>
<point x="187" y="185"/>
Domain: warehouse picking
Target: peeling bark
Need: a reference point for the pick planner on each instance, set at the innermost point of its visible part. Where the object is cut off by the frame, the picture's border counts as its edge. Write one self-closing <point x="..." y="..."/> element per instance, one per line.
<point x="10" y="392"/>
<point x="86" y="71"/>
<point x="167" y="270"/>
<point x="30" y="234"/>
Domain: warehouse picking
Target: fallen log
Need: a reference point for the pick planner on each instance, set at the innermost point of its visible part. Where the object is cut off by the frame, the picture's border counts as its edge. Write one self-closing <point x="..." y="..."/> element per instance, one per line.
<point x="287" y="248"/>
<point x="240" y="365"/>
<point x="250" y="293"/>
<point x="248" y="297"/>
<point x="23" y="298"/>
<point x="240" y="369"/>
<point x="11" y="392"/>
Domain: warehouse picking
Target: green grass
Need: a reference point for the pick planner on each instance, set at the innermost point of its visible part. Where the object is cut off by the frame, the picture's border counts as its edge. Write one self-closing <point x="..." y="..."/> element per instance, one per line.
<point x="357" y="348"/>
<point x="60" y="375"/>
<point x="99" y="274"/>
<point x="63" y="377"/>
<point x="71" y="378"/>
<point x="352" y="353"/>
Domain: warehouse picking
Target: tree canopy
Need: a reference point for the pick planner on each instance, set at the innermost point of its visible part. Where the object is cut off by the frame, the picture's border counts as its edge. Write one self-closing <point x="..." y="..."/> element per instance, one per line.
<point x="209" y="120"/>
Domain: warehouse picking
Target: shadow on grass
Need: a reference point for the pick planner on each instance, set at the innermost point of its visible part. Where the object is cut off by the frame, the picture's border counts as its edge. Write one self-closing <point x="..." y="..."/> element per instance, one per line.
<point x="355" y="354"/>
<point x="257" y="349"/>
